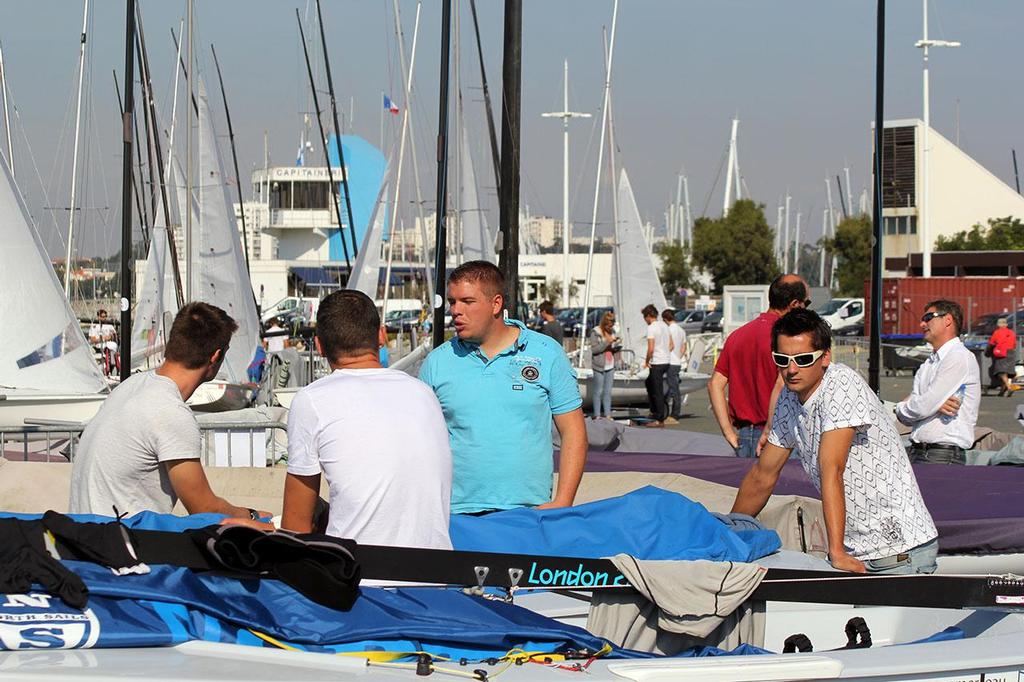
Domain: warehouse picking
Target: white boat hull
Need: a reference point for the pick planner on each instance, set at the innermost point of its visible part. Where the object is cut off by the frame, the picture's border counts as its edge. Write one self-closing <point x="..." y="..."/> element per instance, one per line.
<point x="17" y="408"/>
<point x="221" y="396"/>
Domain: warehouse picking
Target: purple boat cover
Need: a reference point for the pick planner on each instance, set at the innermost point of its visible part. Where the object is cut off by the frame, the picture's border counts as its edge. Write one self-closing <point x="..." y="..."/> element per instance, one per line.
<point x="977" y="509"/>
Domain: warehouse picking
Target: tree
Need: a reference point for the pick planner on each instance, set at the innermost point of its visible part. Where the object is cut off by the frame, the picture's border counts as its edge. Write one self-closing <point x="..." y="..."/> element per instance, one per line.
<point x="675" y="272"/>
<point x="737" y="248"/>
<point x="852" y="247"/>
<point x="1001" y="234"/>
<point x="551" y="290"/>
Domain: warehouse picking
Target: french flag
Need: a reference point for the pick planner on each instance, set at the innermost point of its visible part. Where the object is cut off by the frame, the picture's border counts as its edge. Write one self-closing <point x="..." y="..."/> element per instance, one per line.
<point x="389" y="105"/>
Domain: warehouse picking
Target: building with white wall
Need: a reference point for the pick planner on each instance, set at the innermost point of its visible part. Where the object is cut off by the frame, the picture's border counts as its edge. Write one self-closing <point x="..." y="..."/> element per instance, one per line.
<point x="962" y="191"/>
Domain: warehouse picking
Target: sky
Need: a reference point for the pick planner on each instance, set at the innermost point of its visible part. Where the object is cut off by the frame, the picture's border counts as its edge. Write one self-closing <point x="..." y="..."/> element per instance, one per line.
<point x="799" y="75"/>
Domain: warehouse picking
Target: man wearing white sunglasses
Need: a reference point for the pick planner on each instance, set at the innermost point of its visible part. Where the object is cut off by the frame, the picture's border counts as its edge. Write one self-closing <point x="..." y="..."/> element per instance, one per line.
<point x="875" y="518"/>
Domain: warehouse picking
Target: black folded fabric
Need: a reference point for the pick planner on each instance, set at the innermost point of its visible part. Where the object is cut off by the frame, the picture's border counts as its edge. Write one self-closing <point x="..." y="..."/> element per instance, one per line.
<point x="24" y="561"/>
<point x="102" y="543"/>
<point x="321" y="568"/>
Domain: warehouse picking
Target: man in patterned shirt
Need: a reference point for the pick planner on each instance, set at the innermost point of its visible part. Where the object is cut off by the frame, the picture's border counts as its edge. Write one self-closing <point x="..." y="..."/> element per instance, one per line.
<point x="875" y="518"/>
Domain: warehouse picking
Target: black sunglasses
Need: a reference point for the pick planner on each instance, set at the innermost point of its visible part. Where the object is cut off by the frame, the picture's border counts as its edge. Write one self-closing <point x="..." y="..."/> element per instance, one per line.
<point x="929" y="316"/>
<point x="801" y="359"/>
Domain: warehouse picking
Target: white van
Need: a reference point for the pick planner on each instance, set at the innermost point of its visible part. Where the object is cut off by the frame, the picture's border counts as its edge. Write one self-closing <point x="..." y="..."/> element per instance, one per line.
<point x="843" y="313"/>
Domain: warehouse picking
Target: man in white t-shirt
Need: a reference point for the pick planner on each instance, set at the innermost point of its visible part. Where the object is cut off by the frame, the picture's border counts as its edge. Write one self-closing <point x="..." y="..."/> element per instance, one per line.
<point x="377" y="434"/>
<point x="677" y="338"/>
<point x="659" y="349"/>
<point x="275" y="338"/>
<point x="141" y="450"/>
<point x="875" y="518"/>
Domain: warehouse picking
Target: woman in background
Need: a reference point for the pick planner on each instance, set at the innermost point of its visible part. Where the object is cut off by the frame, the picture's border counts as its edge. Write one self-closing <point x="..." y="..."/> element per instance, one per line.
<point x="603" y="346"/>
<point x="1002" y="347"/>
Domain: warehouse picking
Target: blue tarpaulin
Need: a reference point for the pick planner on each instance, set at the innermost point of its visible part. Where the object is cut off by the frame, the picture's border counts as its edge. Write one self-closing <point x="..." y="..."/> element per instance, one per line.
<point x="649" y="523"/>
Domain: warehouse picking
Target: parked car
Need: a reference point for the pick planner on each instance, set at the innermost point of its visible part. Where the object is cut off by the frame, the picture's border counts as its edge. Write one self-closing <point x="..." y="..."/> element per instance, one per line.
<point x="401" y="320"/>
<point x="594" y="316"/>
<point x="843" y="313"/>
<point x="986" y="324"/>
<point x="691" y="320"/>
<point x="712" y="322"/>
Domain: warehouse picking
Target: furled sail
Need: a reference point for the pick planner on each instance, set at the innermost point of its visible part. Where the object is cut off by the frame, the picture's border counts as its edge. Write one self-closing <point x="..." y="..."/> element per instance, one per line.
<point x="477" y="240"/>
<point x="366" y="269"/>
<point x="219" y="275"/>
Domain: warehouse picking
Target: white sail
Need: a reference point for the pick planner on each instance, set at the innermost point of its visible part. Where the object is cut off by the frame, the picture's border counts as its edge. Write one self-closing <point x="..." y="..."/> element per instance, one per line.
<point x="366" y="270"/>
<point x="477" y="240"/>
<point x="41" y="344"/>
<point x="219" y="275"/>
<point x="157" y="301"/>
<point x="635" y="282"/>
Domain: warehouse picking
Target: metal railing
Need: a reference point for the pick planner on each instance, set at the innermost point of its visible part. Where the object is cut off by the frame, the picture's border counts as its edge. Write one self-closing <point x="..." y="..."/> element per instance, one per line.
<point x="219" y="442"/>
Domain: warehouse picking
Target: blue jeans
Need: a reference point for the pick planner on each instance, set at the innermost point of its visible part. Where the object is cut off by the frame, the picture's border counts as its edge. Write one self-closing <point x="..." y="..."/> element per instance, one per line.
<point x="601" y="389"/>
<point x="748" y="437"/>
<point x="920" y="559"/>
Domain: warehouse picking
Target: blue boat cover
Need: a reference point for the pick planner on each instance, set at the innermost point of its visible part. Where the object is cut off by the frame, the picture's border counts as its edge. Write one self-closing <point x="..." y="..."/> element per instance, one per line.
<point x="649" y="523"/>
<point x="171" y="605"/>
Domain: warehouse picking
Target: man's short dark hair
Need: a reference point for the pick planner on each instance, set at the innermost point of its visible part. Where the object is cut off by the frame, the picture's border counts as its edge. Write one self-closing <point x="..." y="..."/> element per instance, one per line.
<point x="668" y="314"/>
<point x="649" y="311"/>
<point x="803" y="321"/>
<point x="547" y="307"/>
<point x="101" y="312"/>
<point x="484" y="273"/>
<point x="952" y="308"/>
<point x="199" y="329"/>
<point x="347" y="323"/>
<point x="784" y="290"/>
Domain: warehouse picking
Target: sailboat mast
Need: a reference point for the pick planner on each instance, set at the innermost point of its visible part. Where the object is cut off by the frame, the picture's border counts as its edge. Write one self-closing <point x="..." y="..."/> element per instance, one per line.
<point x="7" y="116"/>
<point x="189" y="275"/>
<point x="126" y="196"/>
<point x="491" y="133"/>
<point x="440" y="217"/>
<point x="597" y="181"/>
<point x="688" y="217"/>
<point x="796" y="243"/>
<point x="74" y="158"/>
<point x="323" y="137"/>
<point x="565" y="115"/>
<point x="337" y="134"/>
<point x="154" y="141"/>
<point x="731" y="170"/>
<point x="511" y="106"/>
<point x="139" y="204"/>
<point x="234" y="157"/>
<point x="407" y="72"/>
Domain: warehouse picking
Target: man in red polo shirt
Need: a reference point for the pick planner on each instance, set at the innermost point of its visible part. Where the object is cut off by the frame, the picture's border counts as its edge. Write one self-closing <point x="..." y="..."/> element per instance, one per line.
<point x="746" y="367"/>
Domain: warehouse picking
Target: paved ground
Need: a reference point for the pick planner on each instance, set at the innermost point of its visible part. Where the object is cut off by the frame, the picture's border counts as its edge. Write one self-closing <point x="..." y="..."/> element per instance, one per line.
<point x="996" y="413"/>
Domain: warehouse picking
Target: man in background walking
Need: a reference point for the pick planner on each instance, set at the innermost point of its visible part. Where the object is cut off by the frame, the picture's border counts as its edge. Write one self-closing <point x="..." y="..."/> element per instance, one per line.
<point x="659" y="348"/>
<point x="677" y="335"/>
<point x="551" y="327"/>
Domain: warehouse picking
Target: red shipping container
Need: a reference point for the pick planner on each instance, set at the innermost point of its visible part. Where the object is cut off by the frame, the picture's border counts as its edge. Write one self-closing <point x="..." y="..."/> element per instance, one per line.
<point x="905" y="298"/>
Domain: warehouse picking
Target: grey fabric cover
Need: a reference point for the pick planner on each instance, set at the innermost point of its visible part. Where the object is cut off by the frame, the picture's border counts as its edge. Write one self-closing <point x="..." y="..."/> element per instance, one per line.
<point x="679" y="605"/>
<point x="612" y="436"/>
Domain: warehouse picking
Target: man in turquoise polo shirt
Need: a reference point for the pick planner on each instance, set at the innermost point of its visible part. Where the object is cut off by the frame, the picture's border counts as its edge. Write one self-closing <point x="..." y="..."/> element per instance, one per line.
<point x="500" y="385"/>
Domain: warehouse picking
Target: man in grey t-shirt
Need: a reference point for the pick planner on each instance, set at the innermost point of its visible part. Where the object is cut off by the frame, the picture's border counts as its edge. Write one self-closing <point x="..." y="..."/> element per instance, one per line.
<point x="551" y="327"/>
<point x="141" y="450"/>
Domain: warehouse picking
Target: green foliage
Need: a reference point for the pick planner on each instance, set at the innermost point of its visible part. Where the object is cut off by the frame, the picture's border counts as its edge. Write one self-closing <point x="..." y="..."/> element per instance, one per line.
<point x="852" y="247"/>
<point x="1001" y="234"/>
<point x="737" y="248"/>
<point x="551" y="290"/>
<point x="675" y="272"/>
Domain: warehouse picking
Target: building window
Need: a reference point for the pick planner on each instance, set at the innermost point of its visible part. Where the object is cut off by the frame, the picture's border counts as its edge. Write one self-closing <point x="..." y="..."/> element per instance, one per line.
<point x="281" y="195"/>
<point x="913" y="224"/>
<point x="311" y="196"/>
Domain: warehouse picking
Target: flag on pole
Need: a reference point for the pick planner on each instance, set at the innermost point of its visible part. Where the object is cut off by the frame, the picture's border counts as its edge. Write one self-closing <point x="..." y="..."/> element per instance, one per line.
<point x="389" y="105"/>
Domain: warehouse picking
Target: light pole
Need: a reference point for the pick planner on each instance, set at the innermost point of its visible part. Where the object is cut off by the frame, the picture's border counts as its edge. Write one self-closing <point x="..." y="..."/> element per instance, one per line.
<point x="565" y="115"/>
<point x="925" y="212"/>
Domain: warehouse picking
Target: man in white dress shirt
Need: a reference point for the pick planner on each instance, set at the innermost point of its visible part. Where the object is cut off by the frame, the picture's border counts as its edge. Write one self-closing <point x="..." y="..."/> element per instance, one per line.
<point x="943" y="406"/>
